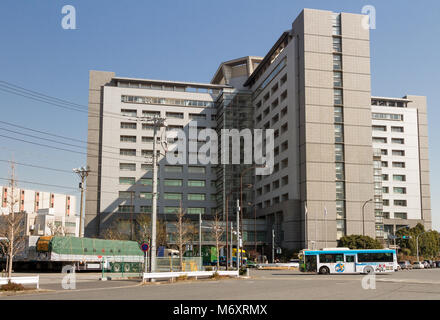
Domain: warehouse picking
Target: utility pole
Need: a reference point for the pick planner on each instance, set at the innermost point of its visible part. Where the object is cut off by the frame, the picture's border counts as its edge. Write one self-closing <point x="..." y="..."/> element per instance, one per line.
<point x="157" y="123"/>
<point x="82" y="173"/>
<point x="238" y="235"/>
<point x="273" y="244"/>
<point x="131" y="215"/>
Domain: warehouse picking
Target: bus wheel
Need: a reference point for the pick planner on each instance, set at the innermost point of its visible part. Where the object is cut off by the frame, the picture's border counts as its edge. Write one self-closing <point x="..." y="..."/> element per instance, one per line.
<point x="324" y="270"/>
<point x="368" y="270"/>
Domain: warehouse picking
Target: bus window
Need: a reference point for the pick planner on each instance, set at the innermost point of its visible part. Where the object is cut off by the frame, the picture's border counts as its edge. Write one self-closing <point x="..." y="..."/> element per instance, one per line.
<point x="310" y="263"/>
<point x="375" y="257"/>
<point x="331" y="258"/>
<point x="349" y="258"/>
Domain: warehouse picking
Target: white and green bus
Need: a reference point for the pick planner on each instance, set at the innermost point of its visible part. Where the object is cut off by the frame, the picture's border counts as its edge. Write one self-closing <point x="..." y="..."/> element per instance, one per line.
<point x="345" y="260"/>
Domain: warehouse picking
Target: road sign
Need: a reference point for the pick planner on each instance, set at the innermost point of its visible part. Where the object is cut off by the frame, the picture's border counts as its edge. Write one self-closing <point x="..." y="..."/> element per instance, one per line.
<point x="145" y="247"/>
<point x="390" y="236"/>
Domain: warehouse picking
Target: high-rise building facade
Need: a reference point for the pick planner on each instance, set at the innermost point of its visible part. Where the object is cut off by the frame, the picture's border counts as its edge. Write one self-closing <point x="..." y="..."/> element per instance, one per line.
<point x="313" y="88"/>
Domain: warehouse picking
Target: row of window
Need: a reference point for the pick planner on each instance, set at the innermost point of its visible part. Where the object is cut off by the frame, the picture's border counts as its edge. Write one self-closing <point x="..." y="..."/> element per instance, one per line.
<point x="167" y="209"/>
<point x="396" y="164"/>
<point x="166" y="196"/>
<point x="397" y="190"/>
<point x="384" y="128"/>
<point x="396" y="177"/>
<point x="166" y="101"/>
<point x="399" y="203"/>
<point x="169" y="115"/>
<point x="388" y="103"/>
<point x="384" y="152"/>
<point x="167" y="182"/>
<point x="385" y="140"/>
<point x="397" y="215"/>
<point x="275" y="200"/>
<point x="387" y="116"/>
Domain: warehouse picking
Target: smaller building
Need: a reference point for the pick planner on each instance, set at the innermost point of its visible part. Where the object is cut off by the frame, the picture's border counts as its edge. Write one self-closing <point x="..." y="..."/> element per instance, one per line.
<point x="47" y="213"/>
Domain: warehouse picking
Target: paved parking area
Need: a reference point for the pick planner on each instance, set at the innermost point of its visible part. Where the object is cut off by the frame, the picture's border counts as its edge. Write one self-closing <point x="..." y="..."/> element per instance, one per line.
<point x="263" y="284"/>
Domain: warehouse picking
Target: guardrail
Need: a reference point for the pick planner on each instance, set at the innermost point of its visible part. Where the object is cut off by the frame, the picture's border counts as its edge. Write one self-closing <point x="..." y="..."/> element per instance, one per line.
<point x="22" y="280"/>
<point x="196" y="274"/>
<point x="278" y="266"/>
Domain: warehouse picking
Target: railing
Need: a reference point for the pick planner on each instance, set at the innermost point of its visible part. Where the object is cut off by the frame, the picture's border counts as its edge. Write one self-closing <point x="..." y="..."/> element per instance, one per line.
<point x="22" y="280"/>
<point x="195" y="274"/>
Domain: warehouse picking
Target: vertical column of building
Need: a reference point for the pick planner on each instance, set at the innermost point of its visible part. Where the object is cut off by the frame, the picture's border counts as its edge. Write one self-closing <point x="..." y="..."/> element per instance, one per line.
<point x="419" y="102"/>
<point x="339" y="127"/>
<point x="94" y="137"/>
<point x="355" y="95"/>
<point x="378" y="200"/>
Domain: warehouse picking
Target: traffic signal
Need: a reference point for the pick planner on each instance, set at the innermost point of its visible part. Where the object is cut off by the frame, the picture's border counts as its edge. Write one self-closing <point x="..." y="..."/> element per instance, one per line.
<point x="406" y="237"/>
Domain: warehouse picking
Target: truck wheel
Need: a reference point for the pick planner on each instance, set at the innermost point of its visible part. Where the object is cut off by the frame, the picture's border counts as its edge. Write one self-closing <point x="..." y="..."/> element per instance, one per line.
<point x="324" y="270"/>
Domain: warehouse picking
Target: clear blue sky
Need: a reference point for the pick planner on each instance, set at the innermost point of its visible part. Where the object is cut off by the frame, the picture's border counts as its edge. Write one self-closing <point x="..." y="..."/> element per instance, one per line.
<point x="184" y="40"/>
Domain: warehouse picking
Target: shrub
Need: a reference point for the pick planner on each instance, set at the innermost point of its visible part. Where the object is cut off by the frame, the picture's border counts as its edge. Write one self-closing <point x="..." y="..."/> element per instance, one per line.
<point x="183" y="277"/>
<point x="11" y="286"/>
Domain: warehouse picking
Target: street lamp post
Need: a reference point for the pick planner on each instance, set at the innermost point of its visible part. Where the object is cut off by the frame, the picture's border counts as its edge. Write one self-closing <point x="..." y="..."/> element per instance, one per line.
<point x="363" y="216"/>
<point x="417" y="244"/>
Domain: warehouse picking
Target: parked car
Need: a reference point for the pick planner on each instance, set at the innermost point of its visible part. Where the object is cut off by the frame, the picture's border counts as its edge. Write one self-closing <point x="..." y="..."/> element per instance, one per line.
<point x="437" y="264"/>
<point x="418" y="265"/>
<point x="405" y="265"/>
<point x="399" y="268"/>
<point x="427" y="264"/>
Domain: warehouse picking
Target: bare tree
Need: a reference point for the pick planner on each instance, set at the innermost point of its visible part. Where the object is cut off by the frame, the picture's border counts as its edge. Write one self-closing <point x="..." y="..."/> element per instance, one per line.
<point x="143" y="222"/>
<point x="217" y="232"/>
<point x="116" y="232"/>
<point x="12" y="226"/>
<point x="184" y="232"/>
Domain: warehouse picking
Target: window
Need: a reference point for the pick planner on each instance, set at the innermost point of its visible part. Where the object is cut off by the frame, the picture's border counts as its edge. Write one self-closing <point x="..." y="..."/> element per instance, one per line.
<point x="283" y="79"/>
<point x="128" y="138"/>
<point x="385" y="189"/>
<point x="337" y="79"/>
<point x="397" y="141"/>
<point x="128" y="125"/>
<point x="125" y="209"/>
<point x="396" y="129"/>
<point x="196" y="196"/>
<point x="349" y="258"/>
<point x="196" y="183"/>
<point x="285" y="180"/>
<point x="129" y="112"/>
<point x="337" y="96"/>
<point x="126" y="180"/>
<point x="197" y="116"/>
<point x="339" y="133"/>
<point x="339" y="171"/>
<point x="172" y="196"/>
<point x="379" y="128"/>
<point x="398" y="164"/>
<point x="127" y="166"/>
<point x="146" y="209"/>
<point x="384" y="152"/>
<point x="195" y="210"/>
<point x="375" y="257"/>
<point x="384" y="164"/>
<point x="338" y="115"/>
<point x="399" y="177"/>
<point x="331" y="258"/>
<point x="386" y="202"/>
<point x="173" y="182"/>
<point x="340" y="190"/>
<point x="379" y="140"/>
<point x="399" y="190"/>
<point x="125" y="194"/>
<point x="146" y="195"/>
<point x="151" y="114"/>
<point x="173" y="169"/>
<point x="284" y="145"/>
<point x="400" y="203"/>
<point x="339" y="152"/>
<point x="337" y="62"/>
<point x="337" y="44"/>
<point x="385" y="177"/>
<point x="400" y="215"/>
<point x="197" y="170"/>
<point x="146" y="181"/>
<point x="171" y="209"/>
<point x="398" y="152"/>
<point x="174" y="115"/>
<point x="127" y="152"/>
<point x="146" y="167"/>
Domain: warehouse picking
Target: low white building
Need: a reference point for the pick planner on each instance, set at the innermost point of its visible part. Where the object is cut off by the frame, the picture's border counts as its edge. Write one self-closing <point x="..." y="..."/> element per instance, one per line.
<point x="47" y="213"/>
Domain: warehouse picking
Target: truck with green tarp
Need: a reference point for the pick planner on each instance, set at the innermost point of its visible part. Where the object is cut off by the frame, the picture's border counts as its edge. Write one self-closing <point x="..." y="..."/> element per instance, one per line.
<point x="55" y="252"/>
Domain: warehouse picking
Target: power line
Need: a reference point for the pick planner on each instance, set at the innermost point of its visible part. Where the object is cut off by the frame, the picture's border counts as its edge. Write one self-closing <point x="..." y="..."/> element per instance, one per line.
<point x="41" y="184"/>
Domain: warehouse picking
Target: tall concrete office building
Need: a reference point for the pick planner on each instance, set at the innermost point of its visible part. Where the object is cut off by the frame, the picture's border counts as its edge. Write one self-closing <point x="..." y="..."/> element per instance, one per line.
<point x="313" y="88"/>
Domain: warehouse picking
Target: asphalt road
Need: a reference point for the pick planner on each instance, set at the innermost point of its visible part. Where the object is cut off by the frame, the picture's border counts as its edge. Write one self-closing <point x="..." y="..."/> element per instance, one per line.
<point x="262" y="285"/>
